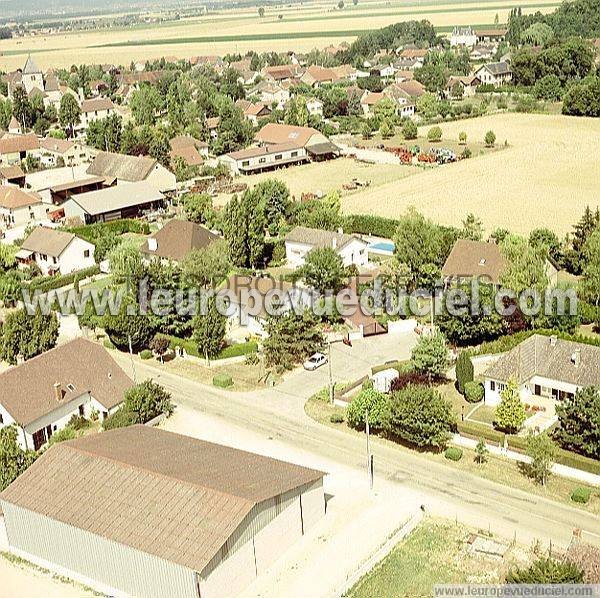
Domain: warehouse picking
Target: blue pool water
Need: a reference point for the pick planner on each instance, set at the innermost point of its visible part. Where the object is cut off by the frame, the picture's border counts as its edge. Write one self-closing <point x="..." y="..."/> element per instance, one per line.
<point x="382" y="246"/>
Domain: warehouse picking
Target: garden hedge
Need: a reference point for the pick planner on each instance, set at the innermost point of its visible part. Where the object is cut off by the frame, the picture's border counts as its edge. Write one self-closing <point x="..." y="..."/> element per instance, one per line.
<point x="236" y="350"/>
<point x="453" y="453"/>
<point x="222" y="381"/>
<point x="51" y="283"/>
<point x="581" y="495"/>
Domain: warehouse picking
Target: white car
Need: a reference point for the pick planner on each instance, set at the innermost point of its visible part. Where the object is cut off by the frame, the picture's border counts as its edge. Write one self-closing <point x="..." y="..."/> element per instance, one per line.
<point x="315" y="361"/>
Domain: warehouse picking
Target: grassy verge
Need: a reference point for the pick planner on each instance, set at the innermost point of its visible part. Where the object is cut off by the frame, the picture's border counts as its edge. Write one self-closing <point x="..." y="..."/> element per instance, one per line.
<point x="435" y="553"/>
<point x="497" y="469"/>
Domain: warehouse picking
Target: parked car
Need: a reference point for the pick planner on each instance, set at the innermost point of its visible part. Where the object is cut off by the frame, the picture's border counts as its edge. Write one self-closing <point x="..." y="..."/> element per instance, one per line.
<point x="315" y="361"/>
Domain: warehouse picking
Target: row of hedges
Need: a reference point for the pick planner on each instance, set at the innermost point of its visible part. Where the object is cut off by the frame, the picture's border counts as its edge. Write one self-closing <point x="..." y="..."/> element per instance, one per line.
<point x="50" y="283"/>
<point x="367" y="224"/>
<point x="519" y="444"/>
<point x="236" y="350"/>
<point x="118" y="227"/>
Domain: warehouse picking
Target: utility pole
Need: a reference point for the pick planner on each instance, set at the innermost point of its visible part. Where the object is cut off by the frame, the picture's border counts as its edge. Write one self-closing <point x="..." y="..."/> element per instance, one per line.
<point x="330" y="373"/>
<point x="132" y="362"/>
<point x="369" y="456"/>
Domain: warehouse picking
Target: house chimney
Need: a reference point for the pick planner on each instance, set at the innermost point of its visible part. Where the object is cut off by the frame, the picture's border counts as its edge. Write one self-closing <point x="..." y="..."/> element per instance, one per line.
<point x="58" y="391"/>
<point x="152" y="244"/>
<point x="553" y="340"/>
<point x="576" y="358"/>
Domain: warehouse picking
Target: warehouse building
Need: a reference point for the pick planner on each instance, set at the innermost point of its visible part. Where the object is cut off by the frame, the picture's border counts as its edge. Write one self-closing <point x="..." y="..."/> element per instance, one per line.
<point x="143" y="512"/>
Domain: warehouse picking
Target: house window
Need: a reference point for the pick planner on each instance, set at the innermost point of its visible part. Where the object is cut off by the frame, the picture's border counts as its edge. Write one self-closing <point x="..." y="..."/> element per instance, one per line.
<point x="492" y="386"/>
<point x="278" y="156"/>
<point x="538" y="390"/>
<point x="294" y="154"/>
<point x="81" y="411"/>
<point x="86" y="253"/>
<point x="246" y="163"/>
<point x="262" y="160"/>
<point x="39" y="439"/>
<point x="1" y="419"/>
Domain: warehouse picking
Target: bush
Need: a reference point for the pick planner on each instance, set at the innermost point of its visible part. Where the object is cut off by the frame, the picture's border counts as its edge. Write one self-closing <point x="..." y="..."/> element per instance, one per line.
<point x="466" y="153"/>
<point x="490" y="139"/>
<point x="119" y="419"/>
<point x="407" y="378"/>
<point x="146" y="354"/>
<point x="336" y="418"/>
<point x="78" y="422"/>
<point x="464" y="371"/>
<point x="453" y="453"/>
<point x="434" y="134"/>
<point x="222" y="381"/>
<point x="67" y="433"/>
<point x="409" y="130"/>
<point x="546" y="571"/>
<point x="50" y="283"/>
<point x="371" y="400"/>
<point x="474" y="392"/>
<point x="108" y="344"/>
<point x="191" y="348"/>
<point x="372" y="225"/>
<point x="581" y="495"/>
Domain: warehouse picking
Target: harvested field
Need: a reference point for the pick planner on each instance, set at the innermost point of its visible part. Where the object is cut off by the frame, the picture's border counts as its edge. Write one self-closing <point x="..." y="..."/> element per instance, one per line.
<point x="301" y="28"/>
<point x="545" y="177"/>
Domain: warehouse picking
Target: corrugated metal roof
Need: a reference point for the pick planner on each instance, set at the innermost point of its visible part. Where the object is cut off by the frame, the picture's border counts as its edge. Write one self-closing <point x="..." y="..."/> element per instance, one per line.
<point x="162" y="493"/>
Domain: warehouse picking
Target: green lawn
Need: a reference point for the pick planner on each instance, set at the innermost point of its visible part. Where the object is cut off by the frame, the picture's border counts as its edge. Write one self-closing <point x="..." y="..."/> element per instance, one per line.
<point x="435" y="553"/>
<point x="484" y="414"/>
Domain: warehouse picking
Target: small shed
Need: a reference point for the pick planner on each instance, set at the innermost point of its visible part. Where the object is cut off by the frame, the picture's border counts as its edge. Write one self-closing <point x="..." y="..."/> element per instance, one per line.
<point x="382" y="381"/>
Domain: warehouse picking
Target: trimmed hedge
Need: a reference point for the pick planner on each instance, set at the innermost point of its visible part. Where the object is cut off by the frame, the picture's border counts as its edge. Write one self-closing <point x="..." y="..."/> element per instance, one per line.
<point x="474" y="392"/>
<point x="108" y="344"/>
<point x="367" y="224"/>
<point x="223" y="381"/>
<point x="146" y="354"/>
<point x="516" y="443"/>
<point x="453" y="453"/>
<point x="118" y="227"/>
<point x="581" y="495"/>
<point x="236" y="350"/>
<point x="51" y="283"/>
<point x="336" y="418"/>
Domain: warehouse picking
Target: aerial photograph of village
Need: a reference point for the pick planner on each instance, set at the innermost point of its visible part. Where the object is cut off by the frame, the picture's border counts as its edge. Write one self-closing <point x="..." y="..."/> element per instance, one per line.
<point x="299" y="299"/>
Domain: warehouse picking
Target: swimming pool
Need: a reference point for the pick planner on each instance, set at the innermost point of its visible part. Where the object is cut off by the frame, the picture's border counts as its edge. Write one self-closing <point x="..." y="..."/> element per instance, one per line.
<point x="382" y="247"/>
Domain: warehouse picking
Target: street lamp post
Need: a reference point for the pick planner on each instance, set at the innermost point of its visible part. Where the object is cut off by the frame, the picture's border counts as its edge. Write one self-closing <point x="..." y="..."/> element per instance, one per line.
<point x="346" y="340"/>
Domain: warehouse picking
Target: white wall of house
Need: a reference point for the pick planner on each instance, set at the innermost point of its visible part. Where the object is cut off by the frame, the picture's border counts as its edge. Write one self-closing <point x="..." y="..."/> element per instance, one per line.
<point x="354" y="252"/>
<point x="164" y="180"/>
<point x="264" y="161"/>
<point x="19" y="216"/>
<point x="73" y="210"/>
<point x="536" y="386"/>
<point x="88" y="117"/>
<point x="78" y="255"/>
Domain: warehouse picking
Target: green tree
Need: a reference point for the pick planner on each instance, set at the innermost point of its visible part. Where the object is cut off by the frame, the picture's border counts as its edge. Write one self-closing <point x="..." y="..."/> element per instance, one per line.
<point x="296" y="112"/>
<point x="590" y="284"/>
<point x="472" y="228"/>
<point x="145" y="104"/>
<point x="526" y="265"/>
<point x="548" y="88"/>
<point x="542" y="452"/>
<point x="546" y="571"/>
<point x="386" y="129"/>
<point x="462" y="138"/>
<point x="7" y="257"/>
<point x="481" y="452"/>
<point x="126" y="264"/>
<point x="324" y="214"/>
<point x="208" y="267"/>
<point x="579" y="422"/>
<point x="261" y="11"/>
<point x="198" y="208"/>
<point x="537" y="34"/>
<point x="510" y="414"/>
<point x="371" y="401"/>
<point x="13" y="459"/>
<point x="428" y="105"/>
<point x="236" y="232"/>
<point x="323" y="270"/>
<point x="124" y="327"/>
<point x="160" y="147"/>
<point x="385" y="109"/>
<point x="430" y="356"/>
<point x="420" y="415"/>
<point x="27" y="335"/>
<point x="147" y="401"/>
<point x="273" y="197"/>
<point x="465" y="371"/>
<point x="409" y="129"/>
<point x="70" y="113"/>
<point x="291" y="338"/>
<point x="21" y="108"/>
<point x="253" y="211"/>
<point x="490" y="139"/>
<point x="432" y="76"/>
<point x="209" y="330"/>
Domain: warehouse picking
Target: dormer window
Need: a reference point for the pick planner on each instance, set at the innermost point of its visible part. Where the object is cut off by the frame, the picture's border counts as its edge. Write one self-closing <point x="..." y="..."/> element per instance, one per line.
<point x="482" y="262"/>
<point x="70" y="388"/>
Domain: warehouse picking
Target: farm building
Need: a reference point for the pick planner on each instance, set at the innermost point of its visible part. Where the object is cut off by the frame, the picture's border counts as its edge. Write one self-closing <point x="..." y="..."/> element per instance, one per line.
<point x="18" y="207"/>
<point x="494" y="73"/>
<point x="176" y="239"/>
<point x="15" y="148"/>
<point x="139" y="511"/>
<point x="41" y="395"/>
<point x="123" y="170"/>
<point x="256" y="159"/>
<point x="317" y="146"/>
<point x="114" y="203"/>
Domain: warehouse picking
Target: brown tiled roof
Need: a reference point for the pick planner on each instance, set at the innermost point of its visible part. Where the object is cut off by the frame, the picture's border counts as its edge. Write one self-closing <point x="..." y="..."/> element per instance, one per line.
<point x="11" y="172"/>
<point x="213" y="122"/>
<point x="181" y="141"/>
<point x="12" y="198"/>
<point x="120" y="166"/>
<point x="178" y="238"/>
<point x="412" y="87"/>
<point x="319" y="238"/>
<point x="97" y="104"/>
<point x="278" y="133"/>
<point x="18" y="143"/>
<point x="47" y="241"/>
<point x="371" y="98"/>
<point x="60" y="146"/>
<point x="320" y="74"/>
<point x="189" y="154"/>
<point x="168" y="495"/>
<point x="550" y="358"/>
<point x="27" y="391"/>
<point x="414" y="53"/>
<point x="117" y="198"/>
<point x="469" y="259"/>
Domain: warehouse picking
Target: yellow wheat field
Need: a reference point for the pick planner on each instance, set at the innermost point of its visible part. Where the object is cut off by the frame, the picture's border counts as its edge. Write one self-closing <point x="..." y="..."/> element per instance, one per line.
<point x="546" y="177"/>
<point x="327" y="23"/>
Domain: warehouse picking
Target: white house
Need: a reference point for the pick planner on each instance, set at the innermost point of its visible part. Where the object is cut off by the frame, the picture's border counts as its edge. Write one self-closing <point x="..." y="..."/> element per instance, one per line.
<point x="255" y="159"/>
<point x="56" y="252"/>
<point x="546" y="367"/>
<point x="463" y="36"/>
<point x="494" y="73"/>
<point x="41" y="395"/>
<point x="18" y="207"/>
<point x="54" y="151"/>
<point x="301" y="240"/>
<point x="94" y="109"/>
<point x="314" y="106"/>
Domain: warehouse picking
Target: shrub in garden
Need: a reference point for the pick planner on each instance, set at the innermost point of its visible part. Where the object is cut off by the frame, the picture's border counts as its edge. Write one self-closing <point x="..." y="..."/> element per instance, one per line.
<point x="119" y="419"/>
<point x="406" y="378"/>
<point x="108" y="344"/>
<point x="146" y="354"/>
<point x="466" y="153"/>
<point x="510" y="414"/>
<point x="581" y="495"/>
<point x="409" y="130"/>
<point x="453" y="453"/>
<point x="490" y="139"/>
<point x="367" y="400"/>
<point x="336" y="418"/>
<point x="474" y="392"/>
<point x="464" y="371"/>
<point x="434" y="134"/>
<point x="222" y="381"/>
<point x="546" y="571"/>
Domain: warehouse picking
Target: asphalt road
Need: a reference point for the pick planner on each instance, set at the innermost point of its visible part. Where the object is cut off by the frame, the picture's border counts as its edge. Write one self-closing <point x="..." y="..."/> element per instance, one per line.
<point x="279" y="415"/>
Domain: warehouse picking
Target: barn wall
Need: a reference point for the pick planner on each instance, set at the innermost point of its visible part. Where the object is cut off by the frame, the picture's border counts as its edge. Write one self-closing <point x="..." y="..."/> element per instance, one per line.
<point x="112" y="568"/>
